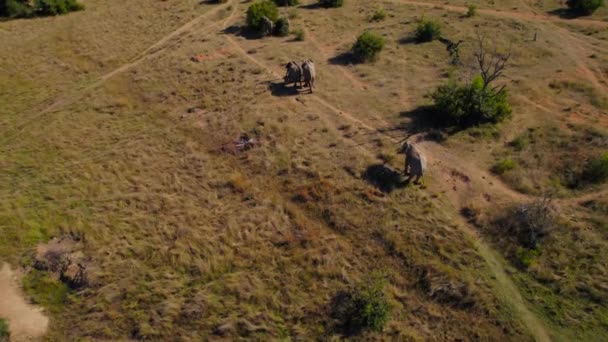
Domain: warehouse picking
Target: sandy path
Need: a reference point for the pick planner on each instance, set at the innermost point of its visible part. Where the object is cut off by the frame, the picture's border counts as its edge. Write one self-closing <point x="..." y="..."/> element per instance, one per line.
<point x="26" y="322"/>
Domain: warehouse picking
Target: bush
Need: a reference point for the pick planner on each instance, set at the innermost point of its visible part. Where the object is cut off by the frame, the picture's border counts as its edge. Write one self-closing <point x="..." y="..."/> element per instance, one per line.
<point x="281" y="27"/>
<point x="368" y="46"/>
<point x="331" y="3"/>
<point x="427" y="30"/>
<point x="15" y="8"/>
<point x="56" y="7"/>
<point x="584" y="7"/>
<point x="503" y="166"/>
<point x="379" y="15"/>
<point x="286" y="2"/>
<point x="470" y="105"/>
<point x="5" y="333"/>
<point x="530" y="223"/>
<point x="472" y="10"/>
<point x="256" y="11"/>
<point x="596" y="170"/>
<point x="366" y="307"/>
<point x="299" y="35"/>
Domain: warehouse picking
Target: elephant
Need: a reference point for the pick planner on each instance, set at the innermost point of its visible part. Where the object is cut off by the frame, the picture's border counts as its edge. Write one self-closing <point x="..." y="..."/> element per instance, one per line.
<point x="309" y="73"/>
<point x="294" y="74"/>
<point x="415" y="162"/>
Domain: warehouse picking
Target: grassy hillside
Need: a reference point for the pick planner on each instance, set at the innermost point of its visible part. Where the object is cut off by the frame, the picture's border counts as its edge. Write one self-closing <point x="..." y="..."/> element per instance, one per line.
<point x="112" y="132"/>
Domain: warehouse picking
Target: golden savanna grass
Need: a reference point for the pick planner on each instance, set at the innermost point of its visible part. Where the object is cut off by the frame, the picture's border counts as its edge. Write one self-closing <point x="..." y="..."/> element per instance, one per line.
<point x="108" y="134"/>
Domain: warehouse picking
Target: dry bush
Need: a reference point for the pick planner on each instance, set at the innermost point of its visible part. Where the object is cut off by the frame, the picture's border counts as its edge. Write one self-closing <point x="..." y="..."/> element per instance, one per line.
<point x="529" y="223"/>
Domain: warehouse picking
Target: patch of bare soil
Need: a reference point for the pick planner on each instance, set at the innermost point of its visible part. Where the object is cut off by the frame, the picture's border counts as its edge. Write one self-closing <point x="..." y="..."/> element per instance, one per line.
<point x="26" y="322"/>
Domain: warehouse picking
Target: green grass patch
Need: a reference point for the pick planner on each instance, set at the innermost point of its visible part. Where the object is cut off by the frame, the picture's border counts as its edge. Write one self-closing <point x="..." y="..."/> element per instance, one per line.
<point x="5" y="333"/>
<point x="46" y="291"/>
<point x="503" y="166"/>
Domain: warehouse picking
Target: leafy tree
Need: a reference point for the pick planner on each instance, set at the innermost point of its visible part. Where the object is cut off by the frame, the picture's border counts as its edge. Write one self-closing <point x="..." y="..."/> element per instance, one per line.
<point x="584" y="7"/>
<point x="479" y="101"/>
<point x="368" y="46"/>
<point x="256" y="11"/>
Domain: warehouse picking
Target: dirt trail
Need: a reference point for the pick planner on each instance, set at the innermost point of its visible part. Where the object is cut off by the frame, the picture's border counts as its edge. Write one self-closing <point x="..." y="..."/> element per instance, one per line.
<point x="26" y="322"/>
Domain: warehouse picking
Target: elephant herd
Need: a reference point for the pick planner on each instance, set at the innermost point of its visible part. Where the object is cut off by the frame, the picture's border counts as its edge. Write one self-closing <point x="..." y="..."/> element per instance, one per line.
<point x="296" y="74"/>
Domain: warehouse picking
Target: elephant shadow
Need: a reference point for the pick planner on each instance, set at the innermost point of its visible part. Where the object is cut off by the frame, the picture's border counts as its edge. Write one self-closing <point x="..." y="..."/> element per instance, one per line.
<point x="280" y="89"/>
<point x="384" y="178"/>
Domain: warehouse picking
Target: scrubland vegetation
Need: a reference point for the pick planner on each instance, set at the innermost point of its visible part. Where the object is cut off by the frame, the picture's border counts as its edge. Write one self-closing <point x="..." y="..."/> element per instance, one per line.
<point x="120" y="132"/>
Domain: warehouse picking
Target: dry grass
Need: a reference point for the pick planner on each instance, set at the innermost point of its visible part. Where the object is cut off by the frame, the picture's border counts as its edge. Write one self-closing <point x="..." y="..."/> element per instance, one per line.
<point x="189" y="241"/>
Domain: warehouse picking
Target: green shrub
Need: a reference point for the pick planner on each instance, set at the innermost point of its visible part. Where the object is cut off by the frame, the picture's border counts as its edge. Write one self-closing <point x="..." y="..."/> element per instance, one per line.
<point x="5" y="333"/>
<point x="470" y="104"/>
<point x="286" y="2"/>
<point x="281" y="27"/>
<point x="584" y="7"/>
<point x="520" y="143"/>
<point x="596" y="170"/>
<point x="368" y="46"/>
<point x="299" y="35"/>
<point x="56" y="7"/>
<point x="379" y="15"/>
<point x="503" y="166"/>
<point x="15" y="8"/>
<point x="427" y="30"/>
<point x="472" y="10"/>
<point x="525" y="257"/>
<point x="26" y="8"/>
<point x="331" y="3"/>
<point x="256" y="11"/>
<point x="366" y="307"/>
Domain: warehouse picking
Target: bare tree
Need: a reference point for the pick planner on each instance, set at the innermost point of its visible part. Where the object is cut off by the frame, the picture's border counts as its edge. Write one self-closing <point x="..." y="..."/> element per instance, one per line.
<point x="491" y="65"/>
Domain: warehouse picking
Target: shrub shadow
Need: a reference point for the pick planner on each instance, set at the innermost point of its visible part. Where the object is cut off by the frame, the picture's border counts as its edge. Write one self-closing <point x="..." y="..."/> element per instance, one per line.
<point x="408" y="40"/>
<point x="244" y="32"/>
<point x="340" y="310"/>
<point x="383" y="178"/>
<point x="345" y="58"/>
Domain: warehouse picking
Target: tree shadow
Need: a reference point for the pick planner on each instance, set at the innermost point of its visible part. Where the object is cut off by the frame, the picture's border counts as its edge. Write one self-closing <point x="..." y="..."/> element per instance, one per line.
<point x="280" y="89"/>
<point x="383" y="178"/>
<point x="425" y="121"/>
<point x="345" y="58"/>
